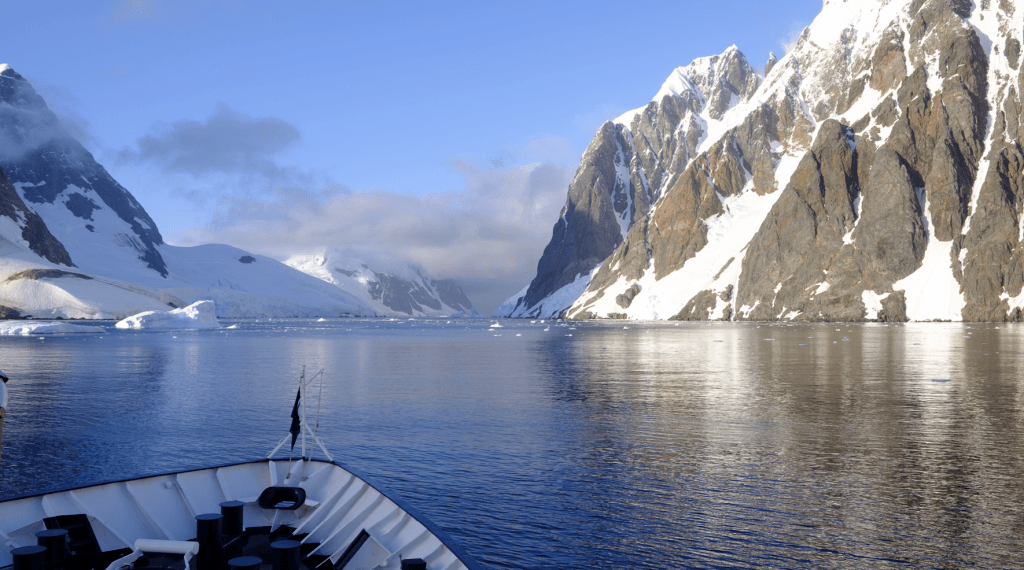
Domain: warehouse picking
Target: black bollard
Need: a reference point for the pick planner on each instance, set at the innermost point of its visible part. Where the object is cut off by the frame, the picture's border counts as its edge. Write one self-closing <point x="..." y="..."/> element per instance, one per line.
<point x="232" y="512"/>
<point x="29" y="557"/>
<point x="56" y="542"/>
<point x="245" y="563"/>
<point x="414" y="564"/>
<point x="210" y="544"/>
<point x="286" y="555"/>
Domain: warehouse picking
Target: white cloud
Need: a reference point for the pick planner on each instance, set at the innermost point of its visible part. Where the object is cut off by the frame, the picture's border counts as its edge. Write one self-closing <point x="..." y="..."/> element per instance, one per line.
<point x="796" y="29"/>
<point x="488" y="235"/>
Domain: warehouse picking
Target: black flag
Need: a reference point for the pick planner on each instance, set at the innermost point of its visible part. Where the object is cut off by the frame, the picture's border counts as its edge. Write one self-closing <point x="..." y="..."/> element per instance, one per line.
<point x="295" y="418"/>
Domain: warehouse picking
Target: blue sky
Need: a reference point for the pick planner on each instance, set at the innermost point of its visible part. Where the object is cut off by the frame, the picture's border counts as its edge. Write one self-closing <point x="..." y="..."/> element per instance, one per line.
<point x="441" y="133"/>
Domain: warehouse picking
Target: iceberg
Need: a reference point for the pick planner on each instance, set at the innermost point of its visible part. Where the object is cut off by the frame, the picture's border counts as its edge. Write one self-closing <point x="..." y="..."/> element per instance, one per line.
<point x="198" y="315"/>
<point x="25" y="328"/>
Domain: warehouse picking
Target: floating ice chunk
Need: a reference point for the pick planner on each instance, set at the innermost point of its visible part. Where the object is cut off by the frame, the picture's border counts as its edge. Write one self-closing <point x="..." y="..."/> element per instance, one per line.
<point x="321" y="319"/>
<point x="518" y="334"/>
<point x="28" y="328"/>
<point x="233" y="327"/>
<point x="198" y="315"/>
<point x="941" y="379"/>
<point x="496" y="326"/>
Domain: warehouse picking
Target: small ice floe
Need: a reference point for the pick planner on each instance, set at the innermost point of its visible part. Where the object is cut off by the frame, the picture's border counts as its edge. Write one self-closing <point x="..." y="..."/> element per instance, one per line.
<point x="941" y="379"/>
<point x="29" y="328"/>
<point x="321" y="319"/>
<point x="198" y="315"/>
<point x="517" y="334"/>
<point x="496" y="325"/>
<point x="846" y="339"/>
<point x="625" y="328"/>
<point x="570" y="334"/>
<point x="804" y="344"/>
<point x="233" y="327"/>
<point x="546" y="329"/>
<point x="769" y="339"/>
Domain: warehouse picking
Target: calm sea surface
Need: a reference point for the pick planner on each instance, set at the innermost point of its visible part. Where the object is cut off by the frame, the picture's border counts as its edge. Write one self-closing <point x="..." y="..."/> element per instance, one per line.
<point x="590" y="445"/>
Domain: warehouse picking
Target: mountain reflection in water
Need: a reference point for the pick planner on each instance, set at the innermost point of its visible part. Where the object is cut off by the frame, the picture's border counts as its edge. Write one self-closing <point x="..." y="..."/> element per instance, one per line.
<point x="652" y="446"/>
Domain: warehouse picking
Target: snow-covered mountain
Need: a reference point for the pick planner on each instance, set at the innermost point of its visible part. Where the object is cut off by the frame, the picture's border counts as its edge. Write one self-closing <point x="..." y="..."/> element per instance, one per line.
<point x="76" y="244"/>
<point x="874" y="172"/>
<point x="407" y="293"/>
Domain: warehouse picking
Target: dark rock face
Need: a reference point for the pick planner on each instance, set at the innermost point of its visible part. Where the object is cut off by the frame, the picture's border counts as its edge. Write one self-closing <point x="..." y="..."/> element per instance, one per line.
<point x="451" y="294"/>
<point x="588" y="230"/>
<point x="35" y="274"/>
<point x="35" y="149"/>
<point x="34" y="230"/>
<point x="802" y="235"/>
<point x="411" y="297"/>
<point x="247" y="259"/>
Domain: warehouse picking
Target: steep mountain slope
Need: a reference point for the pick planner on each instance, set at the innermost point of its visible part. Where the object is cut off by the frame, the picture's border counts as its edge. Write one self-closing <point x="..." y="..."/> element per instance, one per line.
<point x="91" y="213"/>
<point x="874" y="173"/>
<point x="408" y="294"/>
<point x="76" y="244"/>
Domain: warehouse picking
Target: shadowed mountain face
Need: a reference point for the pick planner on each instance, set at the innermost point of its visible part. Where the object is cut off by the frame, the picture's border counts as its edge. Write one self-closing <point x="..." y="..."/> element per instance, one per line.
<point x="33" y="230"/>
<point x="874" y="173"/>
<point x="55" y="174"/>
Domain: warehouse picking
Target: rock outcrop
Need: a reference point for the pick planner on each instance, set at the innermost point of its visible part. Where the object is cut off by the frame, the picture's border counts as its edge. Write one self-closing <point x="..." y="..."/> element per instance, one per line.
<point x="33" y="230"/>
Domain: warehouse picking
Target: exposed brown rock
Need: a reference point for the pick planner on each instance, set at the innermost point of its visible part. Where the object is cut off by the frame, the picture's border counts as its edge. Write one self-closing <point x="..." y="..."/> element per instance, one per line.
<point x="698" y="308"/>
<point x="797" y="241"/>
<point x="894" y="308"/>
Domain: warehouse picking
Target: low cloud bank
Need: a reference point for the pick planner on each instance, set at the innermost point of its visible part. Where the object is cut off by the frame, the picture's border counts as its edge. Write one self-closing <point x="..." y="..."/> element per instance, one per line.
<point x="488" y="235"/>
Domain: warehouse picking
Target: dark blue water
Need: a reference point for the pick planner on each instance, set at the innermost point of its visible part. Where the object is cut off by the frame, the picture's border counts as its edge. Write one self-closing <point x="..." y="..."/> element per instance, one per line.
<point x="652" y="446"/>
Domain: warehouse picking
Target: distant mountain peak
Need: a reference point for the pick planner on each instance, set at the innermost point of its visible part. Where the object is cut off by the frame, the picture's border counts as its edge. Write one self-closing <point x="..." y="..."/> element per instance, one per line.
<point x="399" y="291"/>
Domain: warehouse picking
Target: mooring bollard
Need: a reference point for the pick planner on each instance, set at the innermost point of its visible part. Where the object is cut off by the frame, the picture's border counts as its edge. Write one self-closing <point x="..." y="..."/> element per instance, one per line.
<point x="210" y="545"/>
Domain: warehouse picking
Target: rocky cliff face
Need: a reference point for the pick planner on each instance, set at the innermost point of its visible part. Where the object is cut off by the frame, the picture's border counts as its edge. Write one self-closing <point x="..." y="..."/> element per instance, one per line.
<point x="875" y="172"/>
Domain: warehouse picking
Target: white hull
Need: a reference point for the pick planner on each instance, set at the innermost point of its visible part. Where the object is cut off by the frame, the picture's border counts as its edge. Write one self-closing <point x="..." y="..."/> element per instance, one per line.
<point x="338" y="506"/>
